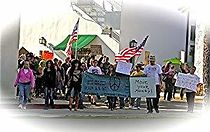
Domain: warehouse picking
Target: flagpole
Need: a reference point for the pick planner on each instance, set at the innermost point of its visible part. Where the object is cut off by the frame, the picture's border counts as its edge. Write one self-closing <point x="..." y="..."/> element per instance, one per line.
<point x="76" y="48"/>
<point x="77" y="40"/>
<point x="135" y="61"/>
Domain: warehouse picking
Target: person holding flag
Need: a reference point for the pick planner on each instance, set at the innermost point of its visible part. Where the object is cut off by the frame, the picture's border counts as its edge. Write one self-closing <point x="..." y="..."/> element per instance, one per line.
<point x="74" y="38"/>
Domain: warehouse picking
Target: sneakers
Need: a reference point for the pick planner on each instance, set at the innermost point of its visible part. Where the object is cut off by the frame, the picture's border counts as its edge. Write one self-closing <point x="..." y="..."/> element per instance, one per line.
<point x="24" y="108"/>
<point x="138" y="107"/>
<point x="134" y="108"/>
<point x="20" y="106"/>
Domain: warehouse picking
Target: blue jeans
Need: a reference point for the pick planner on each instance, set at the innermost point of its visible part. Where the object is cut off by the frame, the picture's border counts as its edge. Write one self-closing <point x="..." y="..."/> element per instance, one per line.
<point x="24" y="90"/>
<point x="49" y="92"/>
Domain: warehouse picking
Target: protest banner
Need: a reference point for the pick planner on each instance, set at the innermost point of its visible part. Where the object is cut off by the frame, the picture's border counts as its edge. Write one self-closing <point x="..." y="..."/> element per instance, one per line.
<point x="187" y="81"/>
<point x="142" y="87"/>
<point x="105" y="85"/>
<point x="123" y="67"/>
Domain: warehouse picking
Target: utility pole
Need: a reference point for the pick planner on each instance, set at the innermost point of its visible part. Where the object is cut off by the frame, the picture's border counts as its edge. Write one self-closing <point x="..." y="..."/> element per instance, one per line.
<point x="187" y="37"/>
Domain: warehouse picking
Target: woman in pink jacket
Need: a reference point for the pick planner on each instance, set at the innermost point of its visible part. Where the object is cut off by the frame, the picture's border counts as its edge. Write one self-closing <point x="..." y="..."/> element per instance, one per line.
<point x="25" y="81"/>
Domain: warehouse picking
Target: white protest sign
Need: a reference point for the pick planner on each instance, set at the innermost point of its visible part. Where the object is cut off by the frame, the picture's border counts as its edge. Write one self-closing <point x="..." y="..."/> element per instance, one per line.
<point x="142" y="87"/>
<point x="124" y="67"/>
<point x="187" y="81"/>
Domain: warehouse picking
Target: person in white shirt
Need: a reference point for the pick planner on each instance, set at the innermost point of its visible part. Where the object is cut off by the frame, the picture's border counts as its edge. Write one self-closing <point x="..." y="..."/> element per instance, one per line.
<point x="95" y="70"/>
<point x="154" y="70"/>
<point x="190" y="94"/>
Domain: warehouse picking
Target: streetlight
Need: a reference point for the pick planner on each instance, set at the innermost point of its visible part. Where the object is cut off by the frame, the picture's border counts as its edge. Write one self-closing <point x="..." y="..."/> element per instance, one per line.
<point x="43" y="41"/>
<point x="186" y="9"/>
<point x="187" y="36"/>
<point x="50" y="46"/>
<point x="132" y="43"/>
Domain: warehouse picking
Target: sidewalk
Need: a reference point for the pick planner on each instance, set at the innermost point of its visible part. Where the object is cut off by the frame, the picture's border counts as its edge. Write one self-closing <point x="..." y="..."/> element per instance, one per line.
<point x="38" y="103"/>
<point x="198" y="99"/>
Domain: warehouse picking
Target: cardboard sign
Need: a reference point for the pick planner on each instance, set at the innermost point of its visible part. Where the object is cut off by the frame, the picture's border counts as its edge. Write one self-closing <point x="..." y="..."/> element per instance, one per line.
<point x="124" y="67"/>
<point x="142" y="87"/>
<point x="187" y="81"/>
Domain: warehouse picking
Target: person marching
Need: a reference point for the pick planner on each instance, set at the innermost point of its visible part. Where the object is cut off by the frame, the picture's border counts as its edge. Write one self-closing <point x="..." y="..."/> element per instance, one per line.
<point x="95" y="70"/>
<point x="154" y="70"/>
<point x="190" y="95"/>
<point x="111" y="99"/>
<point x="49" y="79"/>
<point x="25" y="81"/>
<point x="65" y="66"/>
<point x="137" y="73"/>
<point x="184" y="69"/>
<point x="169" y="73"/>
<point x="74" y="83"/>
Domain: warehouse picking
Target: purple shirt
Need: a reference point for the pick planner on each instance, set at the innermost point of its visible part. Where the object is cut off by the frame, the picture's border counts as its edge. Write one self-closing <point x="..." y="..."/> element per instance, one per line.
<point x="23" y="77"/>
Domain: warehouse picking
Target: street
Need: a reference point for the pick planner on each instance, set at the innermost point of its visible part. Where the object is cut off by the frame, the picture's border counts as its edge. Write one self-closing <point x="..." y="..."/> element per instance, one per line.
<point x="171" y="117"/>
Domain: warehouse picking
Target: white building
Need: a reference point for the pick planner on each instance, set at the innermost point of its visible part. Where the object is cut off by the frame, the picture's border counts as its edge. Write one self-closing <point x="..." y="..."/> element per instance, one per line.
<point x="57" y="21"/>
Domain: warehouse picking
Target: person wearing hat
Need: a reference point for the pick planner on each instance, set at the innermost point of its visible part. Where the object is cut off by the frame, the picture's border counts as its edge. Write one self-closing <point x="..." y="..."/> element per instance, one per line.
<point x="137" y="73"/>
<point x="154" y="70"/>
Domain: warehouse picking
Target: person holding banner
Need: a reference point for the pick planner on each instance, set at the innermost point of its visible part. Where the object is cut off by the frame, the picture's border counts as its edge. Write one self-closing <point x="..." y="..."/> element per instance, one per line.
<point x="190" y="94"/>
<point x="111" y="99"/>
<point x="137" y="73"/>
<point x="154" y="70"/>
<point x="184" y="69"/>
<point x="95" y="70"/>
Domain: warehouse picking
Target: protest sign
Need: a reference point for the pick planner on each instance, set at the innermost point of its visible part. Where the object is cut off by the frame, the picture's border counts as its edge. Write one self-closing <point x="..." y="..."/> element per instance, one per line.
<point x="142" y="87"/>
<point x="105" y="85"/>
<point x="124" y="67"/>
<point x="187" y="81"/>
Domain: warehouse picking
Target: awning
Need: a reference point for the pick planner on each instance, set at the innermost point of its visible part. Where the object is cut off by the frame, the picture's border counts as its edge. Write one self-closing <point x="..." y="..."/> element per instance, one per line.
<point x="83" y="40"/>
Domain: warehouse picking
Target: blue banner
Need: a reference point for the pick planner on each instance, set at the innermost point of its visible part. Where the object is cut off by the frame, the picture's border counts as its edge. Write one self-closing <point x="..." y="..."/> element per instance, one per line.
<point x="105" y="85"/>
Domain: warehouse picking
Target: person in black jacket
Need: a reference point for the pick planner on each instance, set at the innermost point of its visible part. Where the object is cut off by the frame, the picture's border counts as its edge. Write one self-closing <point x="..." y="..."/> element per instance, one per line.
<point x="111" y="99"/>
<point x="49" y="79"/>
<point x="74" y="83"/>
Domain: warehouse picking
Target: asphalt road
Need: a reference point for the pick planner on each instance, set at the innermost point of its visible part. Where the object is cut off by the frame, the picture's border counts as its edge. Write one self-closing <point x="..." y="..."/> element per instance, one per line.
<point x="172" y="117"/>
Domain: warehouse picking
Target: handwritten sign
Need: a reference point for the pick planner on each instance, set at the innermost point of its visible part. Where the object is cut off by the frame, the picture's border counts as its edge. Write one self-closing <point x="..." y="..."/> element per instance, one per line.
<point x="142" y="87"/>
<point x="187" y="81"/>
<point x="124" y="67"/>
<point x="117" y="86"/>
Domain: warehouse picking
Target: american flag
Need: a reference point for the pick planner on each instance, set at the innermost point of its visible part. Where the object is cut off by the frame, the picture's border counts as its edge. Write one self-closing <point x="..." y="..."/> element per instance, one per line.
<point x="74" y="37"/>
<point x="127" y="53"/>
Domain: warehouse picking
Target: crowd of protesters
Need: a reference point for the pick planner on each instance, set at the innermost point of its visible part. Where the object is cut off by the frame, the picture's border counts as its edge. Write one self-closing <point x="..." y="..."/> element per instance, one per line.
<point x="37" y="78"/>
